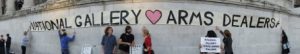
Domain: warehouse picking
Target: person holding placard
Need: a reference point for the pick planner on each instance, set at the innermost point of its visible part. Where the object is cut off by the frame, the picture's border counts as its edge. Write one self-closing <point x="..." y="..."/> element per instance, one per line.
<point x="109" y="41"/>
<point x="210" y="44"/>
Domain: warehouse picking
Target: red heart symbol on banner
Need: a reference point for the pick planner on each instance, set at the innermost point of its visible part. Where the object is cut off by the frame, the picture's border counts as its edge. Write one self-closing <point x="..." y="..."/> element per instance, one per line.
<point x="153" y="16"/>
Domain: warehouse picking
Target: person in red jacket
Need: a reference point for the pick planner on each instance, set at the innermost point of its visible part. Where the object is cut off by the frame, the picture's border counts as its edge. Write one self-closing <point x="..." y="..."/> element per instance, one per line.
<point x="147" y="42"/>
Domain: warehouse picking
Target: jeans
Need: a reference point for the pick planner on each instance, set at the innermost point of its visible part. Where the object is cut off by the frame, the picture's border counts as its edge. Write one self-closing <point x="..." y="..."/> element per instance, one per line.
<point x="23" y="49"/>
<point x="7" y="50"/>
<point x="65" y="51"/>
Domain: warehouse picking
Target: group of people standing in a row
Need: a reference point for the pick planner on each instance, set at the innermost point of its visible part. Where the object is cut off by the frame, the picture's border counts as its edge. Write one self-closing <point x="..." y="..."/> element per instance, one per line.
<point x="226" y="47"/>
<point x="5" y="44"/>
<point x="126" y="40"/>
<point x="110" y="42"/>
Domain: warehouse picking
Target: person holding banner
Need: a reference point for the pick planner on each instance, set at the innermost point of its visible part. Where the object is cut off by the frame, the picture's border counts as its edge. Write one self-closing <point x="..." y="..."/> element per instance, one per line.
<point x="109" y="41"/>
<point x="64" y="40"/>
<point x="25" y="41"/>
<point x="210" y="44"/>
<point x="147" y="42"/>
<point x="227" y="40"/>
<point x="126" y="40"/>
<point x="284" y="43"/>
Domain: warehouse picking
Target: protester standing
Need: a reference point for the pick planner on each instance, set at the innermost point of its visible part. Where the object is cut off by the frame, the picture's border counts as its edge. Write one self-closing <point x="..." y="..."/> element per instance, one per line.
<point x="285" y="44"/>
<point x="64" y="41"/>
<point x="2" y="45"/>
<point x="25" y="42"/>
<point x="126" y="40"/>
<point x="147" y="42"/>
<point x="109" y="41"/>
<point x="210" y="34"/>
<point x="227" y="41"/>
<point x="8" y="43"/>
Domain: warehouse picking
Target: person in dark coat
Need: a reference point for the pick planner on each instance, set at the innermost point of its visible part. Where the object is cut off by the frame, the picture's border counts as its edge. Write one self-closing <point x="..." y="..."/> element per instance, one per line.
<point x="210" y="34"/>
<point x="8" y="43"/>
<point x="284" y="44"/>
<point x="125" y="41"/>
<point x="2" y="45"/>
<point x="109" y="41"/>
<point x="227" y="40"/>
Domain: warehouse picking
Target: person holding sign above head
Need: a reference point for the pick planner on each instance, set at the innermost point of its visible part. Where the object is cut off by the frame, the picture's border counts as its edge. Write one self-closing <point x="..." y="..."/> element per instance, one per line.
<point x="126" y="40"/>
<point x="227" y="40"/>
<point x="109" y="41"/>
<point x="210" y="44"/>
<point x="147" y="42"/>
<point x="64" y="40"/>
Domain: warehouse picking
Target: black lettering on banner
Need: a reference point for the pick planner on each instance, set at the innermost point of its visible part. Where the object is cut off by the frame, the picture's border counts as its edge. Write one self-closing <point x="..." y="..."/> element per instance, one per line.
<point x="209" y="16"/>
<point x="277" y="24"/>
<point x="234" y="20"/>
<point x="272" y="25"/>
<point x="198" y="15"/>
<point x="58" y="24"/>
<point x="267" y="22"/>
<point x="87" y="21"/>
<point x="78" y="24"/>
<point x="36" y="25"/>
<point x="260" y="22"/>
<point x="251" y="19"/>
<point x="48" y="25"/>
<point x="244" y="22"/>
<point x="226" y="16"/>
<point x="113" y="17"/>
<point x="93" y="20"/>
<point x="66" y="24"/>
<point x="136" y="15"/>
<point x="171" y="17"/>
<point x="182" y="17"/>
<point x="102" y="22"/>
<point x="62" y="23"/>
<point x="43" y="25"/>
<point x="53" y="24"/>
<point x="123" y="17"/>
<point x="40" y="25"/>
<point x="32" y="26"/>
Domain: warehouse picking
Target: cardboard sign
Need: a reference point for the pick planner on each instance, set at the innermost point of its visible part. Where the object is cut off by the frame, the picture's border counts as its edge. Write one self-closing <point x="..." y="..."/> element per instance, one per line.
<point x="137" y="49"/>
<point x="210" y="44"/>
<point x="86" y="50"/>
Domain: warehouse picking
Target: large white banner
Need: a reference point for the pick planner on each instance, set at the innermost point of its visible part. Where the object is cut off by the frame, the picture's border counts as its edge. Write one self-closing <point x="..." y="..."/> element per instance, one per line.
<point x="151" y="14"/>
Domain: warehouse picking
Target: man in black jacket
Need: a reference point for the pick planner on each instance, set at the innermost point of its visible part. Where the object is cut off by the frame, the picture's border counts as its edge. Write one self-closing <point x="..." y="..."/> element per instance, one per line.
<point x="8" y="42"/>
